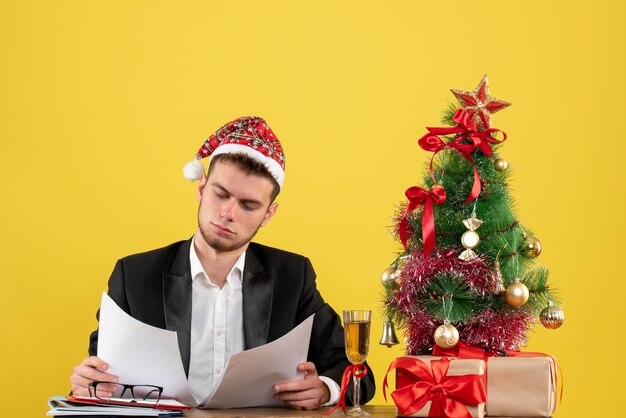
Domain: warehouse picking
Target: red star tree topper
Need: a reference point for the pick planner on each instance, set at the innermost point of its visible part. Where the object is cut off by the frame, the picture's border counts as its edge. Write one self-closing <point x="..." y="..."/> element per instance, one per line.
<point x="479" y="103"/>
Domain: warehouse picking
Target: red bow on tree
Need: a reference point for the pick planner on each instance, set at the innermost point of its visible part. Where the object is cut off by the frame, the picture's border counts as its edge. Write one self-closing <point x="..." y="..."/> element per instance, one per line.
<point x="418" y="196"/>
<point x="465" y="129"/>
<point x="448" y="394"/>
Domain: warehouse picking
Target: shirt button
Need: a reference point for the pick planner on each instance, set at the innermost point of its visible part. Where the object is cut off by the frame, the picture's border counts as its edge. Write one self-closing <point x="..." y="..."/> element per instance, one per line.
<point x="218" y="370"/>
<point x="219" y="333"/>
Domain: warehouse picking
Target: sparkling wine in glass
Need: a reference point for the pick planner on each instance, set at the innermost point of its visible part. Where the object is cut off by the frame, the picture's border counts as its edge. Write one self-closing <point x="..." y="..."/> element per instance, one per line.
<point x="357" y="336"/>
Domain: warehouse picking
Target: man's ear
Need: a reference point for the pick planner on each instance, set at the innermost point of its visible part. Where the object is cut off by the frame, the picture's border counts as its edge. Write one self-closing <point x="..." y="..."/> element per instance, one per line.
<point x="269" y="214"/>
<point x="201" y="185"/>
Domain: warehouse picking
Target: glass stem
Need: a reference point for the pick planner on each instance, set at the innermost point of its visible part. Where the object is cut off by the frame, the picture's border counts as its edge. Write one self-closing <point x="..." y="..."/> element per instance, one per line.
<point x="356" y="398"/>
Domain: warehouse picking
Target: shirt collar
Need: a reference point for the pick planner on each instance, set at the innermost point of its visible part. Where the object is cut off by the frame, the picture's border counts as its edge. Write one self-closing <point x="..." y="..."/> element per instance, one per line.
<point x="234" y="277"/>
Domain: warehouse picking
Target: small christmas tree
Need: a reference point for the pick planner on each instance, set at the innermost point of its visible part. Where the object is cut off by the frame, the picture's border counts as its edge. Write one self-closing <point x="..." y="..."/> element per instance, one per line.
<point x="467" y="270"/>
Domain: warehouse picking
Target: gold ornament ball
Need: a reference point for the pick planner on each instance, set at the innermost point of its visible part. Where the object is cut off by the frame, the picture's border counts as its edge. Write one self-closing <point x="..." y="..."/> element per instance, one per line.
<point x="397" y="276"/>
<point x="516" y="294"/>
<point x="532" y="247"/>
<point x="446" y="336"/>
<point x="500" y="164"/>
<point x="552" y="317"/>
<point x="388" y="278"/>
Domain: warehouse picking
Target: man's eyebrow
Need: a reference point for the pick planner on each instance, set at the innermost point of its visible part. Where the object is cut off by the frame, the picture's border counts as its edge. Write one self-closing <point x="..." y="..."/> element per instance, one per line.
<point x="247" y="201"/>
<point x="219" y="186"/>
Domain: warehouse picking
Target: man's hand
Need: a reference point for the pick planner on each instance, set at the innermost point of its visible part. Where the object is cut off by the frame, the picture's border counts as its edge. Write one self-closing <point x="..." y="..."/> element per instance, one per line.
<point x="308" y="393"/>
<point x="91" y="369"/>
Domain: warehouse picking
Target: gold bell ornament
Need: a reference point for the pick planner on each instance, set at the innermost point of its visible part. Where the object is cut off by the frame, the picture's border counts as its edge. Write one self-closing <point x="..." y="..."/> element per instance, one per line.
<point x="389" y="337"/>
<point x="517" y="293"/>
<point x="551" y="316"/>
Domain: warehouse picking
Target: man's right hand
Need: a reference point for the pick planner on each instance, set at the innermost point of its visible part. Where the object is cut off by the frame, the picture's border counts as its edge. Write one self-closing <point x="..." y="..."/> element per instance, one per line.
<point x="91" y="369"/>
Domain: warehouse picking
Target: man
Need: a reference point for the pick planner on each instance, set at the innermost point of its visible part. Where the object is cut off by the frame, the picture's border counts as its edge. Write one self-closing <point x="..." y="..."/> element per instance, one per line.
<point x="221" y="292"/>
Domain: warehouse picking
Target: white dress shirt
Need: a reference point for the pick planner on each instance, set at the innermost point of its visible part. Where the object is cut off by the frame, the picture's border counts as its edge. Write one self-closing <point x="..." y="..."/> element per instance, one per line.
<point x="216" y="325"/>
<point x="217" y="328"/>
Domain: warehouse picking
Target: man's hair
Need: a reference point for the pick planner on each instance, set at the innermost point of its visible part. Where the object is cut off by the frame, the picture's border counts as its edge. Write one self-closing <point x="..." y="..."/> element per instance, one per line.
<point x="249" y="166"/>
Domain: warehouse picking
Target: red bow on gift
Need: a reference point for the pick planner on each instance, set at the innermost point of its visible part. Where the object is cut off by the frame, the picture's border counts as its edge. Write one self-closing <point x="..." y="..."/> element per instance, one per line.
<point x="418" y="196"/>
<point x="448" y="394"/>
<point x="465" y="129"/>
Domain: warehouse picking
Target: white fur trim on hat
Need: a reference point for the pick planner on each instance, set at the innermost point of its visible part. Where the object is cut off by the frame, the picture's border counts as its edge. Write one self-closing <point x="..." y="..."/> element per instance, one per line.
<point x="271" y="164"/>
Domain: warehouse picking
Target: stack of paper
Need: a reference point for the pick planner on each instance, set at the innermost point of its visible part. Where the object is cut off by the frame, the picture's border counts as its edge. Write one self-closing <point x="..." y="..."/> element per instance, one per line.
<point x="60" y="406"/>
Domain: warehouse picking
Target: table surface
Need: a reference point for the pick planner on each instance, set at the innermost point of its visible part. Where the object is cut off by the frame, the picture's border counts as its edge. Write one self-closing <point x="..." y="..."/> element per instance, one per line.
<point x="375" y="411"/>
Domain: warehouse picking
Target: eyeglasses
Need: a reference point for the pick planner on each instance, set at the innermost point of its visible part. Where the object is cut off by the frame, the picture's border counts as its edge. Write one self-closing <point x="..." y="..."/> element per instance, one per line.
<point x="138" y="393"/>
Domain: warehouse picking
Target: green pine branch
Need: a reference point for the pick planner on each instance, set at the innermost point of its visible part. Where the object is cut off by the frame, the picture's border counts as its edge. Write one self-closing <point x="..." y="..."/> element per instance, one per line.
<point x="449" y="297"/>
<point x="540" y="293"/>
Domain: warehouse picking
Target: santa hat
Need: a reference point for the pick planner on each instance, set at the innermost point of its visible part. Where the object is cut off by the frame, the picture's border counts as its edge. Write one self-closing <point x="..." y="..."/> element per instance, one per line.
<point x="248" y="135"/>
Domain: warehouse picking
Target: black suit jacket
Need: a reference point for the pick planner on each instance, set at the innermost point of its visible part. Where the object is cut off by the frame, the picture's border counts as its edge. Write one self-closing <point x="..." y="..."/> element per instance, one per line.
<point x="278" y="294"/>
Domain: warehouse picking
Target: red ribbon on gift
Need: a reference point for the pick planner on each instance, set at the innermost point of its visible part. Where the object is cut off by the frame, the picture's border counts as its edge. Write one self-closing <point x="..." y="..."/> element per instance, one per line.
<point x="465" y="129"/>
<point x="448" y="394"/>
<point x="358" y="370"/>
<point x="462" y="351"/>
<point x="417" y="197"/>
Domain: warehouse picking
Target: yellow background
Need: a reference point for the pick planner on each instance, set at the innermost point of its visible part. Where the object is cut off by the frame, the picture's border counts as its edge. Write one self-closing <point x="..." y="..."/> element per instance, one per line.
<point x="103" y="102"/>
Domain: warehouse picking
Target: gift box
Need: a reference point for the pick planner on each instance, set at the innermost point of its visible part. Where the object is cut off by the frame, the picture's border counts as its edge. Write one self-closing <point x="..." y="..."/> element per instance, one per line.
<point x="439" y="387"/>
<point x="521" y="386"/>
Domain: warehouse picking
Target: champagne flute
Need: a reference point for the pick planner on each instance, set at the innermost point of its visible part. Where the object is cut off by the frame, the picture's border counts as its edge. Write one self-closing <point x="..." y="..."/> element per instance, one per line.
<point x="357" y="336"/>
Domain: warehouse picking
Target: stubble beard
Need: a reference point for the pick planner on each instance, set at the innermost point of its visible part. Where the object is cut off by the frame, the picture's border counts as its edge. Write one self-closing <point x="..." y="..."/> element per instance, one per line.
<point x="221" y="245"/>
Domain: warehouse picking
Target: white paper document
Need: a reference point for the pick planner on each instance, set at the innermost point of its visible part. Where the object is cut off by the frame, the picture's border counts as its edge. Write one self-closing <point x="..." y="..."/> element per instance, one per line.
<point x="142" y="354"/>
<point x="251" y="374"/>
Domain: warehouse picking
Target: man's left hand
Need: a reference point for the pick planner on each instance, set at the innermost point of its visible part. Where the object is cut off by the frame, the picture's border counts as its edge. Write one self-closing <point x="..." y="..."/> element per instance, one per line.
<point x="308" y="393"/>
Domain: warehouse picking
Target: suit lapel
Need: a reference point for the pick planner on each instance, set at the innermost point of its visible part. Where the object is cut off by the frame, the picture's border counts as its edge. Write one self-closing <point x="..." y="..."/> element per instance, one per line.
<point x="257" y="301"/>
<point x="177" y="288"/>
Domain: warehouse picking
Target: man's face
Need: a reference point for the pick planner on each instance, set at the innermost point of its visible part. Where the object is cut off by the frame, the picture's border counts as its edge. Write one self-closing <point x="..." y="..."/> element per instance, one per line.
<point x="233" y="206"/>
